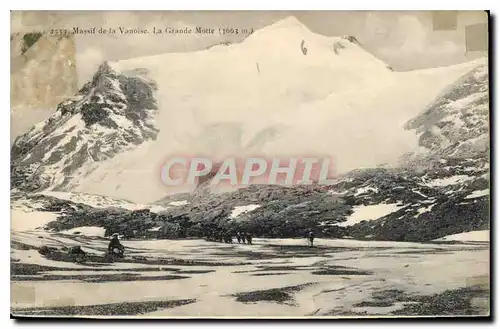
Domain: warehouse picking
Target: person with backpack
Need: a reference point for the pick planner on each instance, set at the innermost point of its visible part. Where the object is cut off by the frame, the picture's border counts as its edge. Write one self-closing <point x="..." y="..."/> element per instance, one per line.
<point x="115" y="247"/>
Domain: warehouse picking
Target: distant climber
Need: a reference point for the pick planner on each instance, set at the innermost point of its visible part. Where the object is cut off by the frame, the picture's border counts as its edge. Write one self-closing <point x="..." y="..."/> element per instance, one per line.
<point x="310" y="237"/>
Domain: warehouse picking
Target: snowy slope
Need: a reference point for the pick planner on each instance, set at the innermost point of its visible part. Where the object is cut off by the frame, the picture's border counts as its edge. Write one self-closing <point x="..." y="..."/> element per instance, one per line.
<point x="217" y="102"/>
<point x="468" y="236"/>
<point x="446" y="193"/>
<point x="372" y="212"/>
<point x="25" y="221"/>
<point x="212" y="277"/>
<point x="241" y="99"/>
<point x="99" y="201"/>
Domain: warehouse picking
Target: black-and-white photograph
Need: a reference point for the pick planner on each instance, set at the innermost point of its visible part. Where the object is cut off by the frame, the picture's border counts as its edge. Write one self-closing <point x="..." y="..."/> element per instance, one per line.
<point x="250" y="164"/>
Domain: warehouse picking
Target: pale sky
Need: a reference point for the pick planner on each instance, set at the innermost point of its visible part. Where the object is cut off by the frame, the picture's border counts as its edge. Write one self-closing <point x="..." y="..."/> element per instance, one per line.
<point x="404" y="40"/>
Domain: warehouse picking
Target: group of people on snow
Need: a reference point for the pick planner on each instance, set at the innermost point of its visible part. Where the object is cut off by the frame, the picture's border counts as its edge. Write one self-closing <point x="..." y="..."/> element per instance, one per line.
<point x="117" y="249"/>
<point x="243" y="237"/>
<point x="246" y="238"/>
<point x="227" y="237"/>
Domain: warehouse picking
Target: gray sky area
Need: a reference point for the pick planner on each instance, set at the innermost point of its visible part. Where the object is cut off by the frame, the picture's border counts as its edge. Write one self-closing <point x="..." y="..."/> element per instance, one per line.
<point x="404" y="40"/>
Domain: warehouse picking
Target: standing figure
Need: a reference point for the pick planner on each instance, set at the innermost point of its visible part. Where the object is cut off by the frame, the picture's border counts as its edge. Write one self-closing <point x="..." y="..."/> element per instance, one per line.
<point x="310" y="236"/>
<point x="243" y="237"/>
<point x="249" y="238"/>
<point x="238" y="237"/>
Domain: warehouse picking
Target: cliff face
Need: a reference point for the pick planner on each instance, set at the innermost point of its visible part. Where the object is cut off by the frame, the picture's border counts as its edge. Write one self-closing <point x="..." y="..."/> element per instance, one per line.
<point x="456" y="124"/>
<point x="43" y="73"/>
<point x="110" y="114"/>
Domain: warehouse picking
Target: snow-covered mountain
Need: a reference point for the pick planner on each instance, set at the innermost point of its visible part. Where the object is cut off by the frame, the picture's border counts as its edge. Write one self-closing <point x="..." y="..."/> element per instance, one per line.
<point x="456" y="124"/>
<point x="110" y="114"/>
<point x="265" y="95"/>
<point x="436" y="194"/>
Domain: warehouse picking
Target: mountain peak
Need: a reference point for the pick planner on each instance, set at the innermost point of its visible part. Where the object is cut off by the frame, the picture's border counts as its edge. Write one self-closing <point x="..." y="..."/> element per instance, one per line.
<point x="288" y="22"/>
<point x="104" y="68"/>
<point x="110" y="114"/>
<point x="102" y="71"/>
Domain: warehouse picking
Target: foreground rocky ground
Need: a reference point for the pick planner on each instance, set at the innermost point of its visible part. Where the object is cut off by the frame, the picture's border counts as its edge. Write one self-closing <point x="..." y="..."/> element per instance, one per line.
<point x="273" y="277"/>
